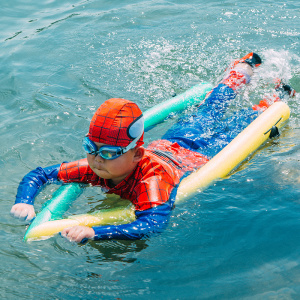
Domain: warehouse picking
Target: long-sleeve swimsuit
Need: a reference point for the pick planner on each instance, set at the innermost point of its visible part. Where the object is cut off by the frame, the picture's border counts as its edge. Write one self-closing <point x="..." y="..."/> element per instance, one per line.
<point x="152" y="185"/>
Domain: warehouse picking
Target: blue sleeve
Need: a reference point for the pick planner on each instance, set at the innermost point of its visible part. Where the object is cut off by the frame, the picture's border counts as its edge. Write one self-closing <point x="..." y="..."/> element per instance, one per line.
<point x="148" y="222"/>
<point x="33" y="181"/>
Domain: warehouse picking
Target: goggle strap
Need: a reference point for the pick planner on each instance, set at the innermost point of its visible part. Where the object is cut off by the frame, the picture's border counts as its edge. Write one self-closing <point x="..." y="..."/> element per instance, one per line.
<point x="132" y="144"/>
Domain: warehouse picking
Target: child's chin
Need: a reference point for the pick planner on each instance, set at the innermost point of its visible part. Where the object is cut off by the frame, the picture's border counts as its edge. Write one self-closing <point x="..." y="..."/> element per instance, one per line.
<point x="103" y="174"/>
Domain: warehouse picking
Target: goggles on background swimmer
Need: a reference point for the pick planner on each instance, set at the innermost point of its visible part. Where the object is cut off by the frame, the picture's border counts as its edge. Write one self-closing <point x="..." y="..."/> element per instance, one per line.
<point x="135" y="131"/>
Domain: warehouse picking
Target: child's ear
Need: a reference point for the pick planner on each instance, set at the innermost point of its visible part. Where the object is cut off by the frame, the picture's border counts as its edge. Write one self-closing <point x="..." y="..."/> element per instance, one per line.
<point x="139" y="153"/>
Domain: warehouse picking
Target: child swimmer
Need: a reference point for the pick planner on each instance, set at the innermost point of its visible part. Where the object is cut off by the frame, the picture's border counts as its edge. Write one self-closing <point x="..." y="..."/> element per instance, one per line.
<point x="118" y="162"/>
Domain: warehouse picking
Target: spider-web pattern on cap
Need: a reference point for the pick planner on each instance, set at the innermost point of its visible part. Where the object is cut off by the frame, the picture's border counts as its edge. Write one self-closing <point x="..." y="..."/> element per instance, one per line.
<point x="110" y="122"/>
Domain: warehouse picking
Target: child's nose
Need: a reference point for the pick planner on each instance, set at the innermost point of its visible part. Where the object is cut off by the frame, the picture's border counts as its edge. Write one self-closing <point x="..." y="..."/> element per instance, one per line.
<point x="98" y="158"/>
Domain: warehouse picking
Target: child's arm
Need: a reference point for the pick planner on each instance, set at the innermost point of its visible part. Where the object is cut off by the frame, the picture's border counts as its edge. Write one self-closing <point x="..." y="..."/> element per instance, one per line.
<point x="149" y="221"/>
<point x="29" y="188"/>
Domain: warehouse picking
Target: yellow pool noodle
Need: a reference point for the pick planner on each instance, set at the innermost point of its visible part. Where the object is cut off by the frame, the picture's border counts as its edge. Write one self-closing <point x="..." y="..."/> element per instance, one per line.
<point x="235" y="152"/>
<point x="107" y="216"/>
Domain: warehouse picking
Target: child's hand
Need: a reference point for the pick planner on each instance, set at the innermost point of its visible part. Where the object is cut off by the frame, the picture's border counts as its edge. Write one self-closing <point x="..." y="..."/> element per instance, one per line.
<point x="23" y="211"/>
<point x="78" y="233"/>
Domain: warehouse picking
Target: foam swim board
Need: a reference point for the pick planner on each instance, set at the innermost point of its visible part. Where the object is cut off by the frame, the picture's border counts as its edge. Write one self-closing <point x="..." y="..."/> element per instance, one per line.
<point x="63" y="198"/>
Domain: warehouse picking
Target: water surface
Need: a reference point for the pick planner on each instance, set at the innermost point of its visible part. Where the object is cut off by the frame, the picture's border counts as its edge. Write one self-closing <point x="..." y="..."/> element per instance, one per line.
<point x="239" y="239"/>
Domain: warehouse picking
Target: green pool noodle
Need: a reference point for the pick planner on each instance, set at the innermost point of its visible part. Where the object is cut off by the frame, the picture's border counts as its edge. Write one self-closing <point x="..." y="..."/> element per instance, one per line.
<point x="159" y="112"/>
<point x="55" y="208"/>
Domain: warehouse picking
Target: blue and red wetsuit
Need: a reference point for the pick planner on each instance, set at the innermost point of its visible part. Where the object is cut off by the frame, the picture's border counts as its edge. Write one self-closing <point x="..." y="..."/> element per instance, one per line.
<point x="152" y="185"/>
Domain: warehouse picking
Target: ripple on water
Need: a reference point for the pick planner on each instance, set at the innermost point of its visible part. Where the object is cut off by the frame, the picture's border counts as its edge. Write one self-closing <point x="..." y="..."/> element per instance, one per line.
<point x="238" y="239"/>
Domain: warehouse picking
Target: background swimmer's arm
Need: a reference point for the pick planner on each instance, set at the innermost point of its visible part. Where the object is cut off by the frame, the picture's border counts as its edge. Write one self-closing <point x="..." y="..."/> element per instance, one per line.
<point x="29" y="188"/>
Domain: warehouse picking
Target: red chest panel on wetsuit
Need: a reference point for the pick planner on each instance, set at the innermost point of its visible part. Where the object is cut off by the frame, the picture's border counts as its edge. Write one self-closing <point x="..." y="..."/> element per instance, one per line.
<point x="151" y="182"/>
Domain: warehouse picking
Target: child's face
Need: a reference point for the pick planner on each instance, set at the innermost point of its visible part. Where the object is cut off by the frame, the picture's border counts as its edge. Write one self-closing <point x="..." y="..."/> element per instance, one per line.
<point x="115" y="169"/>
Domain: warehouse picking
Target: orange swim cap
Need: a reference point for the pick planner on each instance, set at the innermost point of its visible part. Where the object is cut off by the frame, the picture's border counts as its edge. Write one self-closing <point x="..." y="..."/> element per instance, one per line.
<point x="117" y="122"/>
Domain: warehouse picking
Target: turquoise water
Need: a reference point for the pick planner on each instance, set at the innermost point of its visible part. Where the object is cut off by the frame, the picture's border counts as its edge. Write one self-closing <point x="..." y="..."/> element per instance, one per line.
<point x="240" y="238"/>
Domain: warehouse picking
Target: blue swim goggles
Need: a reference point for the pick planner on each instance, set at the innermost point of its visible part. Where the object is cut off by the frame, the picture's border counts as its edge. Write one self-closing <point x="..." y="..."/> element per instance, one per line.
<point x="106" y="152"/>
<point x="112" y="152"/>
